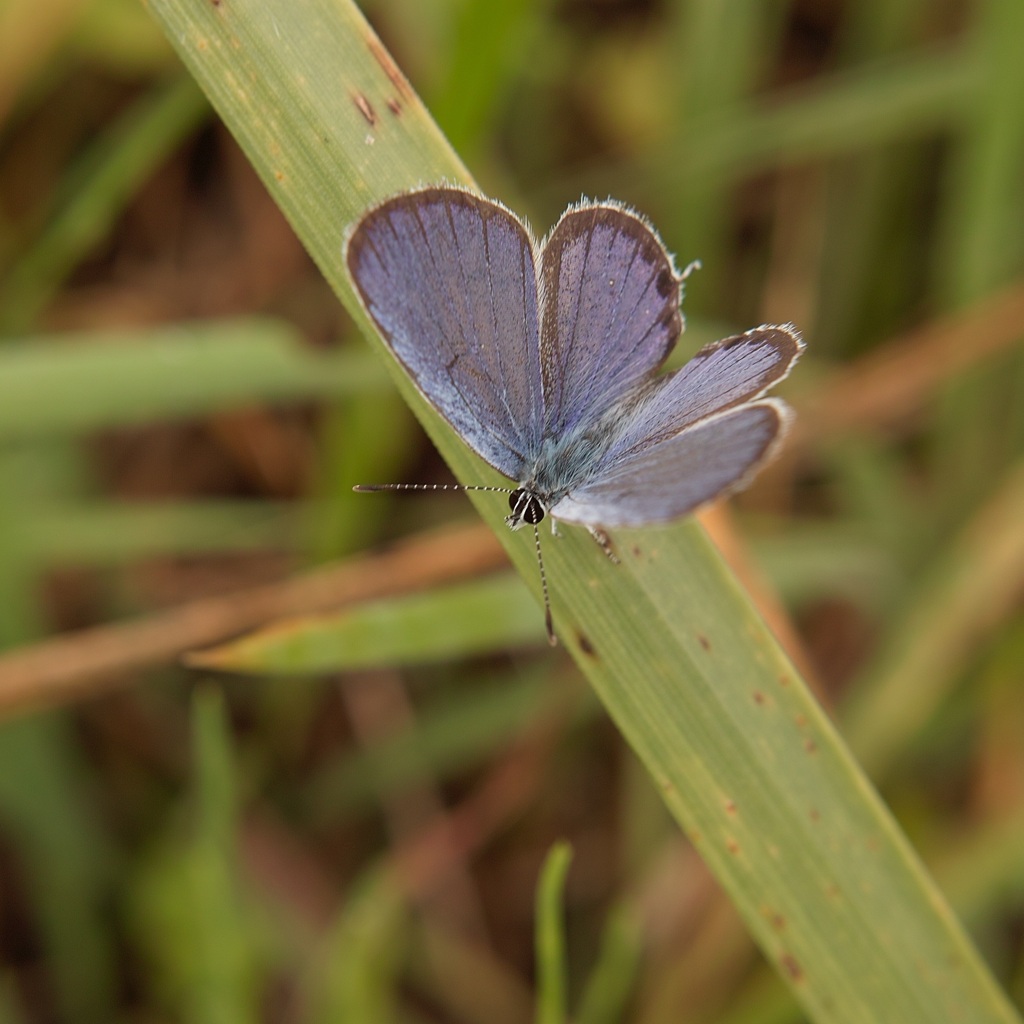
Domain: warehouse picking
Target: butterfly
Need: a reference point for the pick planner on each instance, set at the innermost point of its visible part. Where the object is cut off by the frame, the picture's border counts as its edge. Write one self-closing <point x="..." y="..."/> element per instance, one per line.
<point x="544" y="358"/>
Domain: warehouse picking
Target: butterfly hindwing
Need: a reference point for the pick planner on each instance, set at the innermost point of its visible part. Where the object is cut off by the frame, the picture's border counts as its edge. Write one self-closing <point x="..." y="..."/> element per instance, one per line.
<point x="675" y="476"/>
<point x="720" y="376"/>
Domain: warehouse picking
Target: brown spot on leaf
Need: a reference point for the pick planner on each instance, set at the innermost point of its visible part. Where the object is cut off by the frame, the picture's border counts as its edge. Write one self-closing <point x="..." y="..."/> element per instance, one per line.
<point x="394" y="106"/>
<point x="810" y="746"/>
<point x="585" y="645"/>
<point x="730" y="807"/>
<point x="704" y="641"/>
<point x="815" y="814"/>
<point x="791" y="966"/>
<point x="732" y="846"/>
<point x="758" y="697"/>
<point x="364" y="108"/>
<point x="383" y="58"/>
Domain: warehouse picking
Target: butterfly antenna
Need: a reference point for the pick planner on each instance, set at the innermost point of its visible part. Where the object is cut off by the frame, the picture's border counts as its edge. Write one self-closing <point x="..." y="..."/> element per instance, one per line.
<point x="368" y="488"/>
<point x="548" y="624"/>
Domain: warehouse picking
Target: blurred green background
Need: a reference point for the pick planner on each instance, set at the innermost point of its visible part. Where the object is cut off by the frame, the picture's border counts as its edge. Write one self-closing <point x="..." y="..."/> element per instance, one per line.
<point x="184" y="408"/>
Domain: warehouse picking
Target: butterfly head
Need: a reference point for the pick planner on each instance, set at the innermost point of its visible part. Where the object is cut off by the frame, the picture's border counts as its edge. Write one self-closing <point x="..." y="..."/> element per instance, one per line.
<point x="526" y="509"/>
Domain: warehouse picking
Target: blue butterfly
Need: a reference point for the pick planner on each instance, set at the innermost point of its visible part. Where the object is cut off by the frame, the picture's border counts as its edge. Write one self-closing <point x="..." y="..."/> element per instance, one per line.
<point x="544" y="358"/>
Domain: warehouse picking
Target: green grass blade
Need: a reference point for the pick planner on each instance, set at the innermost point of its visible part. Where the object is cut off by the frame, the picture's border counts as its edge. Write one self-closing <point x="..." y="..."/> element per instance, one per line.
<point x="916" y="96"/>
<point x="71" y="383"/>
<point x="745" y="758"/>
<point x="487" y="39"/>
<point x="205" y="948"/>
<point x="103" y="533"/>
<point x="343" y="522"/>
<point x="868" y="106"/>
<point x="474" y="618"/>
<point x="604" y="999"/>
<point x="707" y="86"/>
<point x="97" y="189"/>
<point x="45" y="807"/>
<point x="969" y="590"/>
<point x="224" y="987"/>
<point x="550" y="937"/>
<point x="355" y="976"/>
<point x="982" y="245"/>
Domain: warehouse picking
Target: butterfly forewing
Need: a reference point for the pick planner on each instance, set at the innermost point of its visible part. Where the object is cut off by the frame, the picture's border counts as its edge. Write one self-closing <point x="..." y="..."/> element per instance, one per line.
<point x="676" y="476"/>
<point x="449" y="279"/>
<point x="610" y="312"/>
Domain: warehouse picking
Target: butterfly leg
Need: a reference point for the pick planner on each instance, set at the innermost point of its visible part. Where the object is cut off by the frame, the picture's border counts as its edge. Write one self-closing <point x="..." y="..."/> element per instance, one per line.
<point x="604" y="541"/>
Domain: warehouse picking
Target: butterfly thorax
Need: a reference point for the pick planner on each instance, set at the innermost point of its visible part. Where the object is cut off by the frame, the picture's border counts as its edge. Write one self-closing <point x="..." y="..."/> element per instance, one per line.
<point x="563" y="465"/>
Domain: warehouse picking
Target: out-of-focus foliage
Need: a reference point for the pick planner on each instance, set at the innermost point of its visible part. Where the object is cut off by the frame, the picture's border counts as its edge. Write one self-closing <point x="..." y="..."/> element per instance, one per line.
<point x="366" y="845"/>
